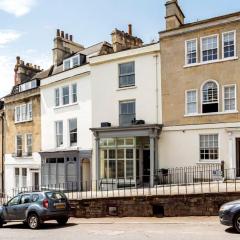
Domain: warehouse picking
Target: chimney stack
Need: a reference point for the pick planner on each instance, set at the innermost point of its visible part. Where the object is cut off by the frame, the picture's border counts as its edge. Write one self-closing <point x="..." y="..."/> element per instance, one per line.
<point x="130" y="29"/>
<point x="125" y="40"/>
<point x="24" y="73"/>
<point x="64" y="47"/>
<point x="174" y="15"/>
<point x="58" y="33"/>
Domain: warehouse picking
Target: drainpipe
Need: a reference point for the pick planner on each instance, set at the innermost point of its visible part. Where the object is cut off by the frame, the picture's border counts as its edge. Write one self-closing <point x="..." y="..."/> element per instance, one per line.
<point x="157" y="88"/>
<point x="3" y="131"/>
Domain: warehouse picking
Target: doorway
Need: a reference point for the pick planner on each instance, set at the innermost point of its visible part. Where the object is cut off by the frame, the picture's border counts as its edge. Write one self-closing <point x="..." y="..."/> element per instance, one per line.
<point x="146" y="166"/>
<point x="36" y="180"/>
<point x="237" y="157"/>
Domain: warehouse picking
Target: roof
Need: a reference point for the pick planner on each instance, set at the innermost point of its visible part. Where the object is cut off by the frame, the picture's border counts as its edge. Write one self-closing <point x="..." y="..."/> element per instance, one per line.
<point x="93" y="50"/>
<point x="203" y="21"/>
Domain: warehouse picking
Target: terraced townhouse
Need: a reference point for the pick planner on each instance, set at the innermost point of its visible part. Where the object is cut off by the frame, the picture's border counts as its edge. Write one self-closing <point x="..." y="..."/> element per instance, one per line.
<point x="2" y="123"/>
<point x="22" y="162"/>
<point x="200" y="90"/>
<point x="94" y="88"/>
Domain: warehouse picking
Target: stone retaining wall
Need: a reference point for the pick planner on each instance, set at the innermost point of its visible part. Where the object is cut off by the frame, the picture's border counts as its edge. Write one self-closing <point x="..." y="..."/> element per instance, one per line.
<point x="148" y="206"/>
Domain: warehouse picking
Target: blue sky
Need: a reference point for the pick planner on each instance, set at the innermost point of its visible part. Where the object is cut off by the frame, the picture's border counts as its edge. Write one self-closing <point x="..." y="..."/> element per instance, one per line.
<point x="27" y="27"/>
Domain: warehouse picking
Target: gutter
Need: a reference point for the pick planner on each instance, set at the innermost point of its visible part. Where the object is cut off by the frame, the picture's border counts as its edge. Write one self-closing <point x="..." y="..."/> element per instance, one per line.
<point x="3" y="131"/>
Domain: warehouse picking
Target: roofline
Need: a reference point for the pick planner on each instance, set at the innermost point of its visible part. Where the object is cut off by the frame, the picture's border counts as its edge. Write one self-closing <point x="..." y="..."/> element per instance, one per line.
<point x="202" y="22"/>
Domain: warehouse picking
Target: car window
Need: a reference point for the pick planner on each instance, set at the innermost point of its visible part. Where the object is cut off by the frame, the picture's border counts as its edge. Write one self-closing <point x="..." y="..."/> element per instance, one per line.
<point x="14" y="201"/>
<point x="55" y="195"/>
<point x="35" y="197"/>
<point x="25" y="199"/>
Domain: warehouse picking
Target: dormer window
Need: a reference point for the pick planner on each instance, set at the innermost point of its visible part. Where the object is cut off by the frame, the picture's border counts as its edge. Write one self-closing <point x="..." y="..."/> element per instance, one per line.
<point x="27" y="86"/>
<point x="71" y="62"/>
<point x="210" y="97"/>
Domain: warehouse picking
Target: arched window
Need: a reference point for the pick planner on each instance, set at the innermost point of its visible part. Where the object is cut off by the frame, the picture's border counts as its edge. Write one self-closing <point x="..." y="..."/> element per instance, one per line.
<point x="210" y="97"/>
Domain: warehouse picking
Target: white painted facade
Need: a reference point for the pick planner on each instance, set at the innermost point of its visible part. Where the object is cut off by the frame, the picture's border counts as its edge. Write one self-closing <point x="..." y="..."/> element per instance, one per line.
<point x="69" y="160"/>
<point x="31" y="164"/>
<point x="180" y="145"/>
<point x="106" y="93"/>
<point x="81" y="110"/>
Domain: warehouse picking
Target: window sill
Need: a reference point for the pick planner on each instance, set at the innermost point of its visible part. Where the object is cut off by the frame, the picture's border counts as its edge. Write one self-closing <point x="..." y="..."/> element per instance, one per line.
<point x="67" y="105"/>
<point x="210" y="114"/>
<point x="24" y="121"/>
<point x="208" y="162"/>
<point x="126" y="88"/>
<point x="210" y="62"/>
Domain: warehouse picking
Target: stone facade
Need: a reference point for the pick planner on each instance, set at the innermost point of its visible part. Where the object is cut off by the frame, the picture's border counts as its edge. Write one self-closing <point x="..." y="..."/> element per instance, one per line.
<point x="1" y="144"/>
<point x="34" y="127"/>
<point x="168" y="206"/>
<point x="177" y="78"/>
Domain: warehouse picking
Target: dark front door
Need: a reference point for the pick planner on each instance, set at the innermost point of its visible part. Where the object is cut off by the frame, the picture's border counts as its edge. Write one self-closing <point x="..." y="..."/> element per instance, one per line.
<point x="238" y="157"/>
<point x="146" y="166"/>
<point x="36" y="180"/>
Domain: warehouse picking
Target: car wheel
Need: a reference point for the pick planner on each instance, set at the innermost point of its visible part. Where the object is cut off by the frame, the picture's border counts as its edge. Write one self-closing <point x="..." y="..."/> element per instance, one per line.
<point x="62" y="221"/>
<point x="236" y="222"/>
<point x="33" y="221"/>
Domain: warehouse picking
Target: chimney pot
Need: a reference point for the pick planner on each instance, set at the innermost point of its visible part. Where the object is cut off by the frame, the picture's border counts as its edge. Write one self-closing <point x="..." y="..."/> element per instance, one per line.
<point x="71" y="37"/>
<point x="62" y="34"/>
<point x="66" y="36"/>
<point x="58" y="32"/>
<point x="130" y="29"/>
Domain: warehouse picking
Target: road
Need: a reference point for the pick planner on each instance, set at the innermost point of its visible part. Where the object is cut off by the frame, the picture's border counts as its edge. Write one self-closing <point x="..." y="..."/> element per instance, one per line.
<point x="187" y="228"/>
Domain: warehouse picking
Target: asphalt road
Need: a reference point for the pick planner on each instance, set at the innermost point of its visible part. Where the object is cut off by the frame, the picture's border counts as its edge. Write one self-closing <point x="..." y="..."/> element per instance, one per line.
<point x="192" y="228"/>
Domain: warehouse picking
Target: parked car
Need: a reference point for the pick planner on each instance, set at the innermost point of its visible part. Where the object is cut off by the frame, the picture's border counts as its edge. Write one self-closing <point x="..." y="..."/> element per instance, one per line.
<point x="33" y="208"/>
<point x="229" y="214"/>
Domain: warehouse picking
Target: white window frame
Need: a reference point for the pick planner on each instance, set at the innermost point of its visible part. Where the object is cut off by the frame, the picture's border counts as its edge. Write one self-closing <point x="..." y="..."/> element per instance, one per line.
<point x="210" y="80"/>
<point x="186" y="102"/>
<point x="69" y="95"/>
<point x="55" y="97"/>
<point x="74" y="84"/>
<point x="69" y="134"/>
<point x="28" y="116"/>
<point x="209" y="160"/>
<point x="26" y="143"/>
<point x="201" y="48"/>
<point x="235" y="44"/>
<point x="56" y="134"/>
<point x="16" y="145"/>
<point x="223" y="97"/>
<point x="186" y="59"/>
<point x="70" y="60"/>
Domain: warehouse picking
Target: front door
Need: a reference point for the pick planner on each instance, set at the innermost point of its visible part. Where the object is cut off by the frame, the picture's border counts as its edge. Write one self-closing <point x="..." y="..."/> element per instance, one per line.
<point x="36" y="180"/>
<point x="237" y="157"/>
<point x="146" y="166"/>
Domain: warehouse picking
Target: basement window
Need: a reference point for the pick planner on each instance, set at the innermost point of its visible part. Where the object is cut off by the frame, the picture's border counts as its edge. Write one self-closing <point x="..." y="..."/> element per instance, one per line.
<point x="210" y="97"/>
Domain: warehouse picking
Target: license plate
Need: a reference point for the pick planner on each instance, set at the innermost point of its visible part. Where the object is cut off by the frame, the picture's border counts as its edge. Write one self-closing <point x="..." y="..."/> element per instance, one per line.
<point x="60" y="206"/>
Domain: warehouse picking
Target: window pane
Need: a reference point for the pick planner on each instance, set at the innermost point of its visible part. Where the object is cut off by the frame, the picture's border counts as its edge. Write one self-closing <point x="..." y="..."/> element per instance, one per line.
<point x="19" y="145"/>
<point x="29" y="144"/>
<point x="57" y="97"/>
<point x="59" y="133"/>
<point x="74" y="93"/>
<point x="191" y="102"/>
<point x="229" y="44"/>
<point x="229" y="98"/>
<point x="191" y="52"/>
<point x="209" y="48"/>
<point x="127" y="113"/>
<point x="126" y="74"/>
<point x="73" y="131"/>
<point x="65" y="93"/>
<point x="209" y="147"/>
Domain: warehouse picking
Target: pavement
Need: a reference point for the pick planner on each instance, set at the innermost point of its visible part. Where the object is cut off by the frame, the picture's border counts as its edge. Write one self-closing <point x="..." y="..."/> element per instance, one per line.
<point x="181" y="228"/>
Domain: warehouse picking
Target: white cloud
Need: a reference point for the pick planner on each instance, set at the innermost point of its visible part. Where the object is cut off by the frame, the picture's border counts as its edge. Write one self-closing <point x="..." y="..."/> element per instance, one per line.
<point x="17" y="7"/>
<point x="7" y="64"/>
<point x="8" y="36"/>
<point x="6" y="75"/>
